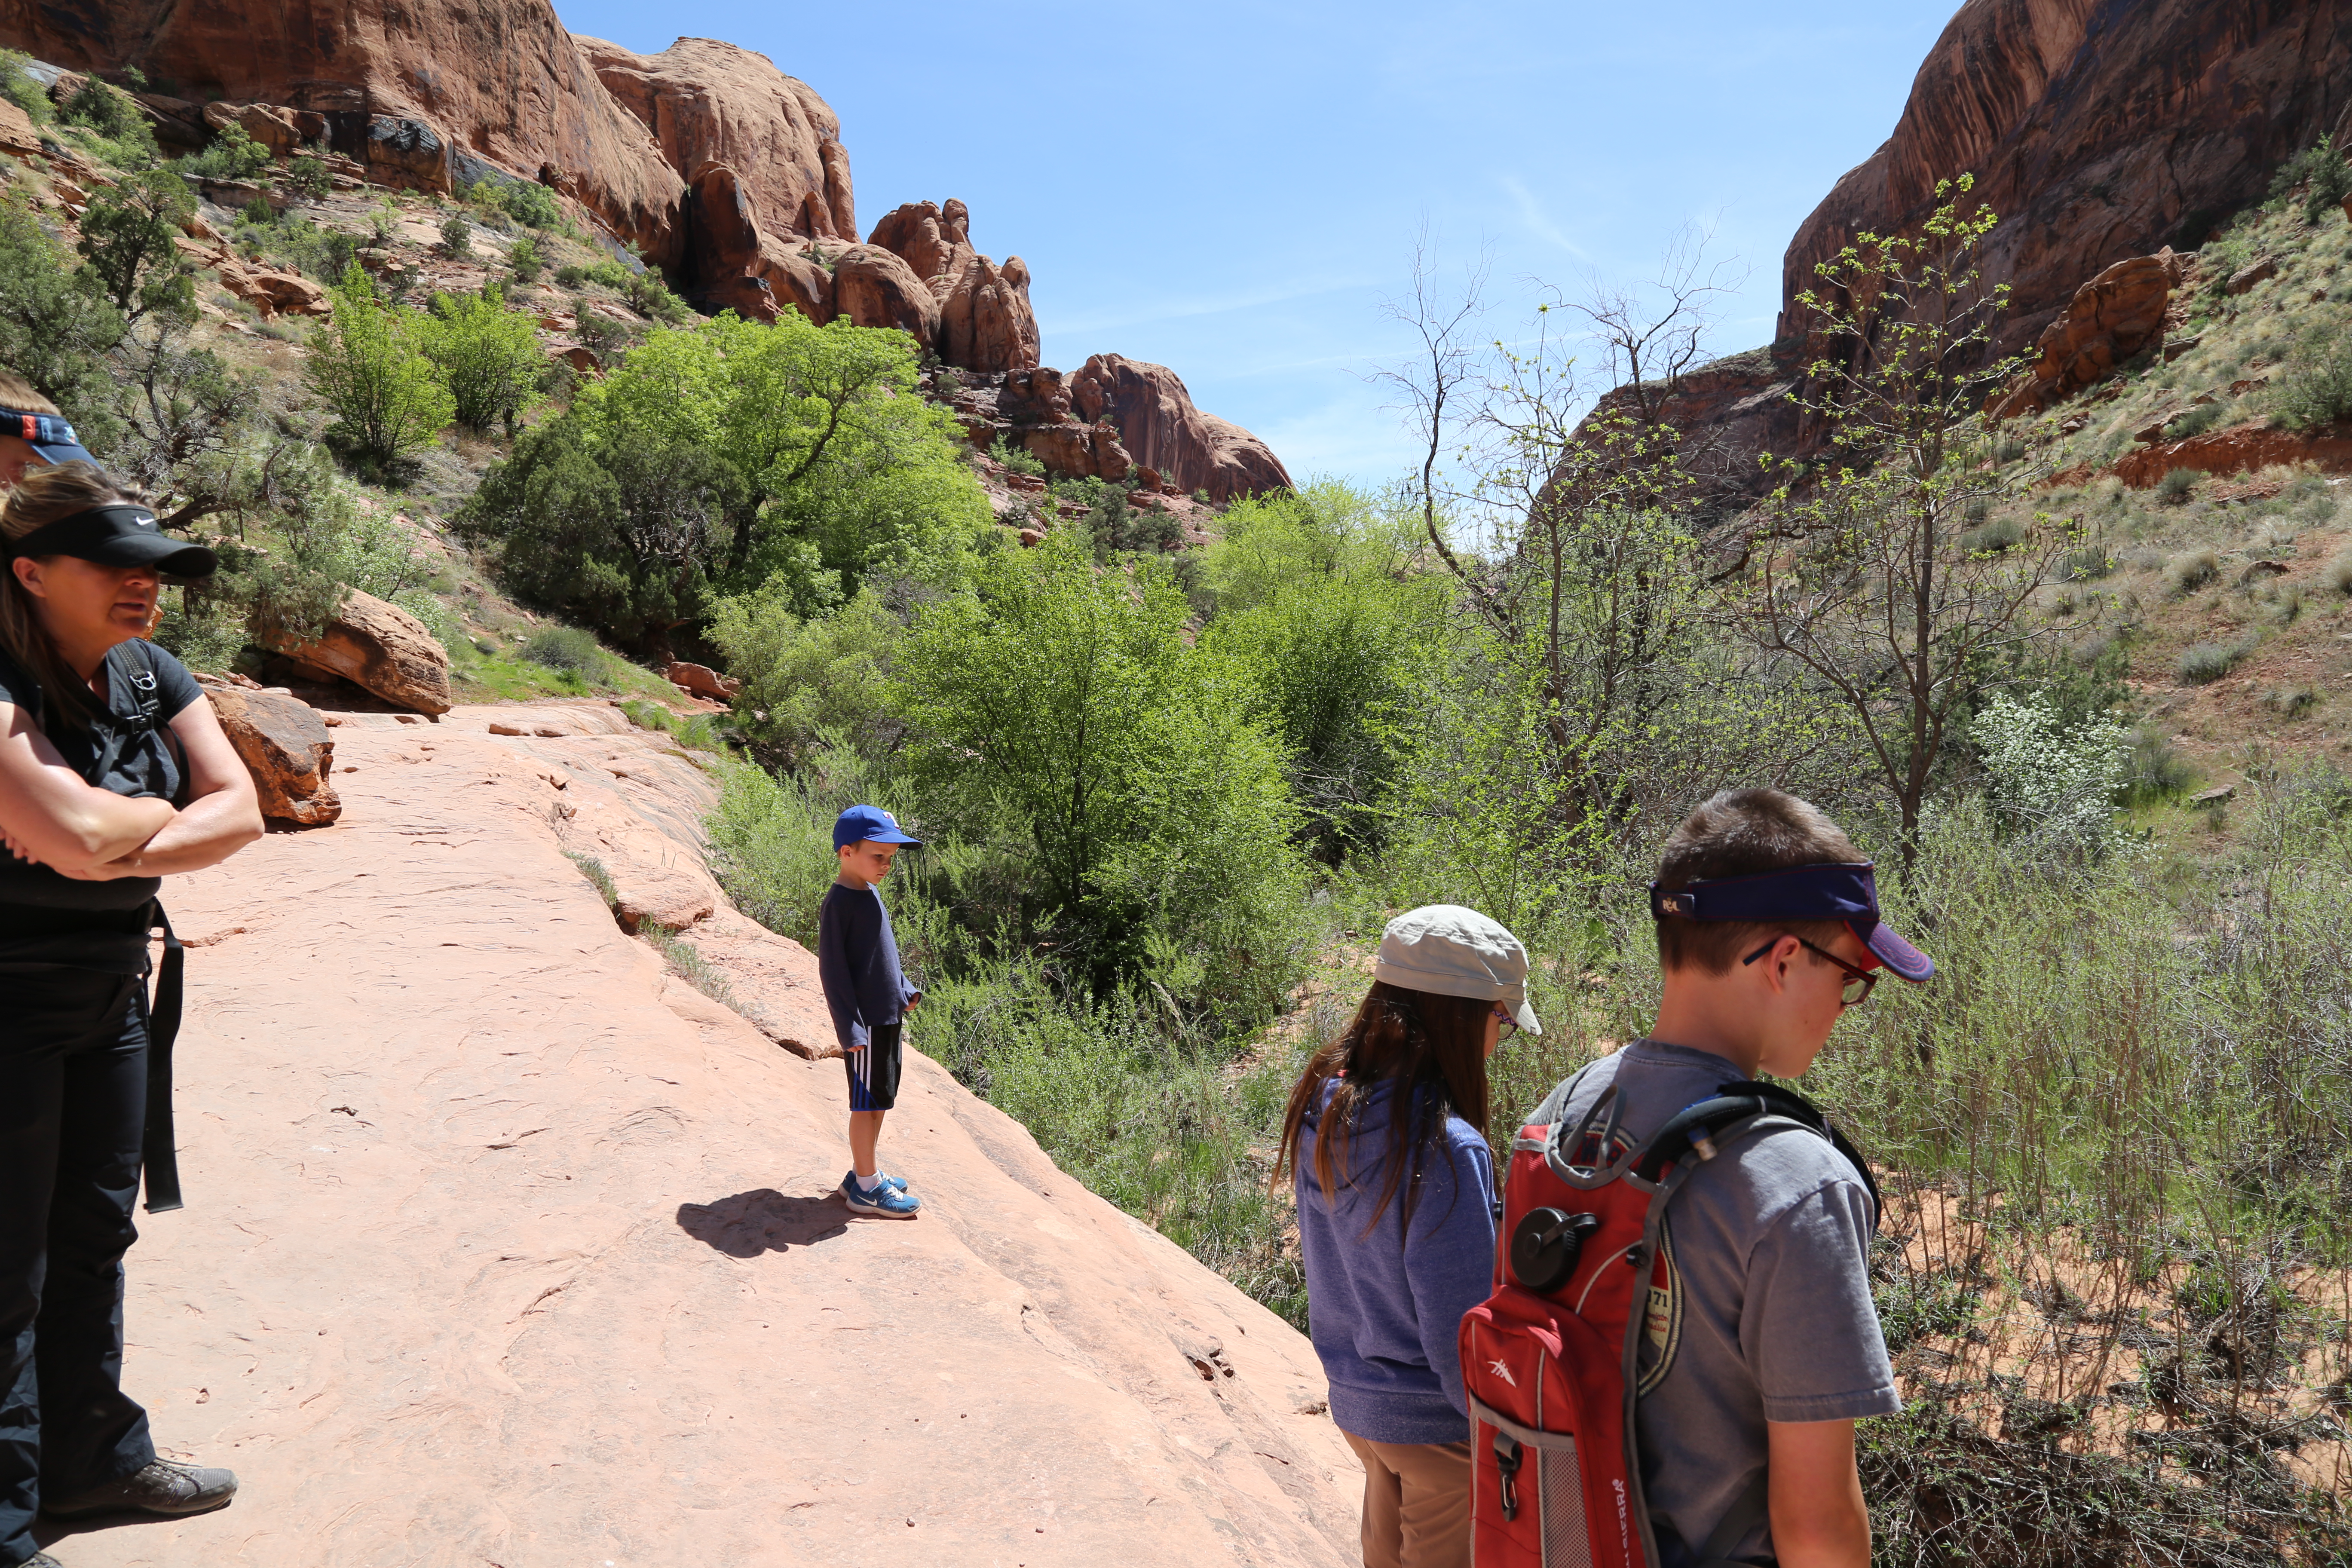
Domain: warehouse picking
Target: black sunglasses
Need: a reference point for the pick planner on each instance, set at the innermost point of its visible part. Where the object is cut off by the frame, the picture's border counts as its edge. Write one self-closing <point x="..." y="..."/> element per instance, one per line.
<point x="1865" y="979"/>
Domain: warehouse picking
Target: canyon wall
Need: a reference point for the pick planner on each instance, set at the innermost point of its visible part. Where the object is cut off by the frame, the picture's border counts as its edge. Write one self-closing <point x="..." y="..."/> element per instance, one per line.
<point x="2098" y="131"/>
<point x="727" y="174"/>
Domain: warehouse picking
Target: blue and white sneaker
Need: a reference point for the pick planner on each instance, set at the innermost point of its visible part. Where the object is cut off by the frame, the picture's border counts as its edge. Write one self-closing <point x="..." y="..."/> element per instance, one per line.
<point x="850" y="1181"/>
<point x="882" y="1200"/>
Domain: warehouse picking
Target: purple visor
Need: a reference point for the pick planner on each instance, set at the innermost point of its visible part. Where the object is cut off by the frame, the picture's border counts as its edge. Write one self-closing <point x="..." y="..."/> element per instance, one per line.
<point x="1833" y="892"/>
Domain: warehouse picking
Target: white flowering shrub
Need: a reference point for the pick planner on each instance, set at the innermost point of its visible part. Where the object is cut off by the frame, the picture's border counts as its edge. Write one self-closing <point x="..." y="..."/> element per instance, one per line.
<point x="2051" y="784"/>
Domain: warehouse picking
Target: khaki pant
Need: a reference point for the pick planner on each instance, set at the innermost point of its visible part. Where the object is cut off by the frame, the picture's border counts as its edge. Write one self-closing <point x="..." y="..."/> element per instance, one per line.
<point x="1416" y="1503"/>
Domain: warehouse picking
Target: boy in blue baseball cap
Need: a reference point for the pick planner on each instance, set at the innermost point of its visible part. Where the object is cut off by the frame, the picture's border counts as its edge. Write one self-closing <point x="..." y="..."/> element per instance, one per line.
<point x="857" y="961"/>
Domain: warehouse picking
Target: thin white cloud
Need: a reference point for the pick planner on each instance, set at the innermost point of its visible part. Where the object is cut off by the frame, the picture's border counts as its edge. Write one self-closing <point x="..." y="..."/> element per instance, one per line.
<point x="1142" y="312"/>
<point x="1537" y="221"/>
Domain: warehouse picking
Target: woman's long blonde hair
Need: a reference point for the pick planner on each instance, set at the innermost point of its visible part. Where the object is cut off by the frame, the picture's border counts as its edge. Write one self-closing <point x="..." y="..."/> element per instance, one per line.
<point x="41" y="498"/>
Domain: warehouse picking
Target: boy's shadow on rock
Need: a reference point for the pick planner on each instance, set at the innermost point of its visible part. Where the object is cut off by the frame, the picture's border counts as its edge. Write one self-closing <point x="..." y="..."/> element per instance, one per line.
<point x="764" y="1220"/>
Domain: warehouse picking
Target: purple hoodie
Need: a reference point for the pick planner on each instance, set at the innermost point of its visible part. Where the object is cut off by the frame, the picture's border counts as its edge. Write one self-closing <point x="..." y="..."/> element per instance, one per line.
<point x="1384" y="1309"/>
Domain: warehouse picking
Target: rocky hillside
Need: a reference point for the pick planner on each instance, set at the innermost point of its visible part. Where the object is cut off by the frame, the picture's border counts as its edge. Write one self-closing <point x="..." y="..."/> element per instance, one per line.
<point x="2098" y="129"/>
<point x="724" y="173"/>
<point x="506" y="1244"/>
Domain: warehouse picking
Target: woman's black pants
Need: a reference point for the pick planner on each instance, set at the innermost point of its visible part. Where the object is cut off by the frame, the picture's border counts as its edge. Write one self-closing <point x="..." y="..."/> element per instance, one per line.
<point x="73" y="1103"/>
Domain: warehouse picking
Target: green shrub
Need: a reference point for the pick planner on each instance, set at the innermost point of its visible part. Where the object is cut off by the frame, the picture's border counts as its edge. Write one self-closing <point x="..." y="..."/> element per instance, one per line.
<point x="308" y="177"/>
<point x="523" y="260"/>
<point x="2005" y="533"/>
<point x="1069" y="700"/>
<point x="232" y="155"/>
<point x="2317" y="387"/>
<point x="607" y="273"/>
<point x="2204" y="663"/>
<point x="2196" y="421"/>
<point x="599" y="334"/>
<point x="124" y="137"/>
<point x="387" y="399"/>
<point x="525" y="201"/>
<point x="257" y="212"/>
<point x="1016" y="459"/>
<point x="810" y="682"/>
<point x="2324" y="173"/>
<point x="620" y="531"/>
<point x="456" y="236"/>
<point x="489" y="356"/>
<point x="2176" y="485"/>
<point x="2191" y="570"/>
<point x="567" y="648"/>
<point x="17" y="84"/>
<point x="2086" y="564"/>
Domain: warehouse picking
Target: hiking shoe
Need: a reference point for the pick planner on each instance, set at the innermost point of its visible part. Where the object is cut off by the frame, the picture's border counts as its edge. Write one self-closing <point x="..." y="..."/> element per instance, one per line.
<point x="884" y="1201"/>
<point x="41" y="1560"/>
<point x="162" y="1488"/>
<point x="849" y="1181"/>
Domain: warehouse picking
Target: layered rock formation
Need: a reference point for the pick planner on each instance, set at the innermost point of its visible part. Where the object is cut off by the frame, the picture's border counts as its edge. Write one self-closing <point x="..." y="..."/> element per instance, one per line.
<point x="986" y="322"/>
<point x="2109" y="320"/>
<point x="2098" y="131"/>
<point x="504" y="1246"/>
<point x="420" y="93"/>
<point x="1032" y="411"/>
<point x="1162" y="429"/>
<point x="729" y="174"/>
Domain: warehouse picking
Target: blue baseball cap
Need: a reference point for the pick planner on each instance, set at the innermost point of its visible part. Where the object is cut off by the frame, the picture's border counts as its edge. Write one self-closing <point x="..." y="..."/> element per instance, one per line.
<point x="1824" y="892"/>
<point x="870" y="824"/>
<point x="47" y="434"/>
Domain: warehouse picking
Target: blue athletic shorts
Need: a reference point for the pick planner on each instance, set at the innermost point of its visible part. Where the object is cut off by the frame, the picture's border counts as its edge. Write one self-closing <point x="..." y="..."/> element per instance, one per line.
<point x="874" y="1069"/>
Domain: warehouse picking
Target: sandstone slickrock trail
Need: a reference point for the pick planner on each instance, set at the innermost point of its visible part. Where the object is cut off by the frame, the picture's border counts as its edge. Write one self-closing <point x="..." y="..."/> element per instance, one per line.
<point x="505" y="1246"/>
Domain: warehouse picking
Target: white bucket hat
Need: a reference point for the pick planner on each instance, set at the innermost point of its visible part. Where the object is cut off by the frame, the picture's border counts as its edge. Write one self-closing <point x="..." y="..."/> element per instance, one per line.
<point x="1455" y="951"/>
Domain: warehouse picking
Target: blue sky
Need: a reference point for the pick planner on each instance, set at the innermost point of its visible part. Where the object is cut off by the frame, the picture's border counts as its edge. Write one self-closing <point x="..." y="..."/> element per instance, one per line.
<point x="1233" y="190"/>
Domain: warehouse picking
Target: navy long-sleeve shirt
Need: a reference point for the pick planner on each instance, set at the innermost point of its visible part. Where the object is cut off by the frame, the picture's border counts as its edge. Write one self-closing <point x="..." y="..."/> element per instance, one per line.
<point x="858" y="963"/>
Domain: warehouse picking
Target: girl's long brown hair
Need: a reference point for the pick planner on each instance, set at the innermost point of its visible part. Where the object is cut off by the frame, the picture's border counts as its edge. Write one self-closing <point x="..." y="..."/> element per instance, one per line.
<point x="40" y="498"/>
<point x="1432" y="1049"/>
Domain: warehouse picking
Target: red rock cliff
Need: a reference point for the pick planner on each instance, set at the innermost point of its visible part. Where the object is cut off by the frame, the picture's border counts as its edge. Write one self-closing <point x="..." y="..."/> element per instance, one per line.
<point x="2098" y="129"/>
<point x="410" y="90"/>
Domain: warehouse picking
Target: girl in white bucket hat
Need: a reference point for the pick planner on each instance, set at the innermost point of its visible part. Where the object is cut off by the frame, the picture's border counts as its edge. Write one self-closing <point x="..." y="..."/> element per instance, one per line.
<point x="1385" y="1139"/>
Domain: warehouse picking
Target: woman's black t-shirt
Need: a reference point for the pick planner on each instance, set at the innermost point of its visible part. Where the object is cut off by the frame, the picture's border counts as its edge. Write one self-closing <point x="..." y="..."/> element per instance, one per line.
<point x="48" y="919"/>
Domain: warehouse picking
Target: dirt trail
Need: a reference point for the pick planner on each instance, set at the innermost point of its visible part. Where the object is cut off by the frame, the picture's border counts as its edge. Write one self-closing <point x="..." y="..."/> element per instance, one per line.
<point x="504" y="1247"/>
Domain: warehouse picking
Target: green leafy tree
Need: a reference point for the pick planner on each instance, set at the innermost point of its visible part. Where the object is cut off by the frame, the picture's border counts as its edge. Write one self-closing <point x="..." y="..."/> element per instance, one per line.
<point x="127" y="234"/>
<point x="56" y="322"/>
<point x="388" y="400"/>
<point x="456" y="236"/>
<point x="489" y="356"/>
<point x="1860" y="575"/>
<point x="810" y="682"/>
<point x="1066" y="702"/>
<point x="524" y="260"/>
<point x="1328" y="596"/>
<point x="232" y="155"/>
<point x="17" y="84"/>
<point x="307" y="176"/>
<point x="821" y="421"/>
<point x="616" y="529"/>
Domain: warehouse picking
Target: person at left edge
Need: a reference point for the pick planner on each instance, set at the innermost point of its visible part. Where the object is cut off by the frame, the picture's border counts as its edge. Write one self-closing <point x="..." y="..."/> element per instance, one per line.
<point x="113" y="775"/>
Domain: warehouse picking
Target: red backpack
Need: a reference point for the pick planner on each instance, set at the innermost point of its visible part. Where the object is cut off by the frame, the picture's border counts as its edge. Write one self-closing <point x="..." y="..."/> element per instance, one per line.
<point x="1547" y="1360"/>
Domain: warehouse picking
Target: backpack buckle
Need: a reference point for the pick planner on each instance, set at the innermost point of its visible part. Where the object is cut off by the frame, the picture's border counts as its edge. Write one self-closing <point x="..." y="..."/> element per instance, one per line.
<point x="1507" y="1455"/>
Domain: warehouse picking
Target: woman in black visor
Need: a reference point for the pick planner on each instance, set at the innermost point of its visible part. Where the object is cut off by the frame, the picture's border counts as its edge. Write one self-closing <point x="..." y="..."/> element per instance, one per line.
<point x="113" y="775"/>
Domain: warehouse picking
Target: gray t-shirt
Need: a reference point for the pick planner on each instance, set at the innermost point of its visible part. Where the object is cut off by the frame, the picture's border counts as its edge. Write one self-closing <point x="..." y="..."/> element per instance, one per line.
<point x="1767" y="1314"/>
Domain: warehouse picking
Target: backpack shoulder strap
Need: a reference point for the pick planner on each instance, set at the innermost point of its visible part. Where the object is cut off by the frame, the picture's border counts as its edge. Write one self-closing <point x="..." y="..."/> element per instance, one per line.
<point x="1788" y="1102"/>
